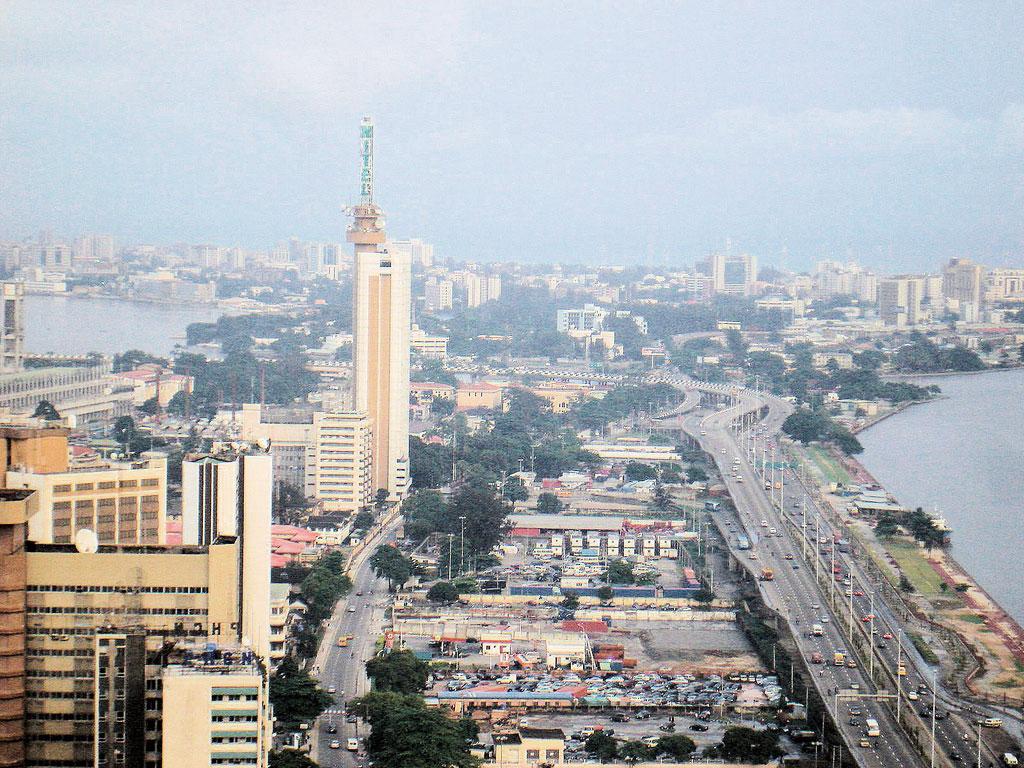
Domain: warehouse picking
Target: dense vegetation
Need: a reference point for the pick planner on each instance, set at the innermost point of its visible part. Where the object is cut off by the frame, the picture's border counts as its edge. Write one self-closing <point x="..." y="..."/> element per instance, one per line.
<point x="921" y="355"/>
<point x="809" y="426"/>
<point x="405" y="733"/>
<point x="297" y="697"/>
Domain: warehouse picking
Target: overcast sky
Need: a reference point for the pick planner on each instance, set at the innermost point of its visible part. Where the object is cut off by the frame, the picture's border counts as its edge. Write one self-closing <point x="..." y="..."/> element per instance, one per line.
<point x="611" y="132"/>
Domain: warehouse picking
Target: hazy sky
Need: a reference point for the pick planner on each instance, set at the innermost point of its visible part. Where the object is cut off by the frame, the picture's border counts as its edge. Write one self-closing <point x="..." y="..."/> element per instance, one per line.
<point x="612" y="132"/>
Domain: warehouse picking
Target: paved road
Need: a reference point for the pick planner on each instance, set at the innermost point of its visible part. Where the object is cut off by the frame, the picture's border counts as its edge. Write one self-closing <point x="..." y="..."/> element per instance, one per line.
<point x="361" y="616"/>
<point x="794" y="591"/>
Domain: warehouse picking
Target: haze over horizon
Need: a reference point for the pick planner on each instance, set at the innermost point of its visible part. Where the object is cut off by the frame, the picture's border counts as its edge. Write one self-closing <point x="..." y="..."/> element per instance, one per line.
<point x="893" y="135"/>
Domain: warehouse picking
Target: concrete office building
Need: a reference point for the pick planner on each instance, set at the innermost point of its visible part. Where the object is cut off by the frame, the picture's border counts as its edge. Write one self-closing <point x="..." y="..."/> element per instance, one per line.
<point x="427" y="345"/>
<point x="12" y="340"/>
<point x="733" y="274"/>
<point x="900" y="300"/>
<point x="288" y="434"/>
<point x="382" y="309"/>
<point x="89" y="634"/>
<point x="123" y="502"/>
<point x="83" y="393"/>
<point x="962" y="282"/>
<point x="590" y="318"/>
<point x="343" y="460"/>
<point x="216" y="711"/>
<point x="229" y="497"/>
<point x="1004" y="286"/>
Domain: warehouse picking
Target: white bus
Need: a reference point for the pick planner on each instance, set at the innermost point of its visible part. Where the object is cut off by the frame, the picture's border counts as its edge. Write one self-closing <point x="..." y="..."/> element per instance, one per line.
<point x="871" y="728"/>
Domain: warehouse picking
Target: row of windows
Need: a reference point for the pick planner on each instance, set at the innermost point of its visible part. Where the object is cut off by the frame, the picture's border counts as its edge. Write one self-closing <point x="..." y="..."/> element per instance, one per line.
<point x="105" y="610"/>
<point x="234" y="719"/>
<point x="75" y="716"/>
<point x="81" y="652"/>
<point x="77" y="674"/>
<point x="121" y="589"/>
<point x="232" y="761"/>
<point x="233" y="740"/>
<point x="147" y="482"/>
<point x="83" y="695"/>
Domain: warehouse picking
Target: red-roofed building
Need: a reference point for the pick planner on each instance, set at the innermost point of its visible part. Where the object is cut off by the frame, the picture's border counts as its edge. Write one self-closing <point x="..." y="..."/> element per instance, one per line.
<point x="146" y="379"/>
<point x="483" y="394"/>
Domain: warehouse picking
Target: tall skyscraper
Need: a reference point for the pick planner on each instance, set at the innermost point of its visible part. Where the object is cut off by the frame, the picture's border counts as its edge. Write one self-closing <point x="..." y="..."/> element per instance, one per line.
<point x="900" y="300"/>
<point x="380" y="344"/>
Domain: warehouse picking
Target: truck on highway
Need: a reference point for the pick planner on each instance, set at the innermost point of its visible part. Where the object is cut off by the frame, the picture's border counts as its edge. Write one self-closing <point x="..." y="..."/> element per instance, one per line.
<point x="767" y="574"/>
<point x="816" y="630"/>
<point x="742" y="542"/>
<point x="839" y="659"/>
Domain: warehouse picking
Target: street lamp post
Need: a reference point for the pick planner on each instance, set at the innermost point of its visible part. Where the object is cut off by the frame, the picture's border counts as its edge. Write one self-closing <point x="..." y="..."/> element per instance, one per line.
<point x="462" y="550"/>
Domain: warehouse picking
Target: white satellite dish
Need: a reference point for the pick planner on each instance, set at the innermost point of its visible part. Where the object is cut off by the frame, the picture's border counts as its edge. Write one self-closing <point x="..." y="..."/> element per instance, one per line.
<point x="86" y="541"/>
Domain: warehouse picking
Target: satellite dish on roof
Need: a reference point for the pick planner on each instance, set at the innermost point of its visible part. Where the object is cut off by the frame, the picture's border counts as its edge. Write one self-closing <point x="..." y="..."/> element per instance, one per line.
<point x="86" y="541"/>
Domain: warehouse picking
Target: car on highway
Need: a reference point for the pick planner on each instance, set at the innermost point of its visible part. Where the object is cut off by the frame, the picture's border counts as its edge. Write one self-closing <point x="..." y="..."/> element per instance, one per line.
<point x="352" y="745"/>
<point x="787" y="556"/>
<point x="331" y="689"/>
<point x="699" y="727"/>
<point x="815" y="606"/>
<point x="887" y="636"/>
<point x="351" y="609"/>
<point x="332" y="728"/>
<point x="865" y="743"/>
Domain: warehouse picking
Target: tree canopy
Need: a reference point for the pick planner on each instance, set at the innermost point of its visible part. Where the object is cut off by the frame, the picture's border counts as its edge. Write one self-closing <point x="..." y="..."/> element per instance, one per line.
<point x="398" y="672"/>
<point x="297" y="697"/>
<point x="405" y="733"/>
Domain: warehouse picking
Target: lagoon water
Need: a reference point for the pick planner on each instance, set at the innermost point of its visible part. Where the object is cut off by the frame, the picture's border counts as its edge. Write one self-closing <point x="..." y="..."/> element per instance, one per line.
<point x="964" y="455"/>
<point x="76" y="326"/>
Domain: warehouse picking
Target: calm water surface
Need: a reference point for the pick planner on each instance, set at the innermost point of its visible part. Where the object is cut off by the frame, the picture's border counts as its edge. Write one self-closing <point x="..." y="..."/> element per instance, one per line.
<point x="965" y="456"/>
<point x="75" y="326"/>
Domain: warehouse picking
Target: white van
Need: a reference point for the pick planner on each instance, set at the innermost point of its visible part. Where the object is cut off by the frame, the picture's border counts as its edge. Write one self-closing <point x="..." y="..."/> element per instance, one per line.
<point x="992" y="722"/>
<point x="352" y="745"/>
<point x="1010" y="759"/>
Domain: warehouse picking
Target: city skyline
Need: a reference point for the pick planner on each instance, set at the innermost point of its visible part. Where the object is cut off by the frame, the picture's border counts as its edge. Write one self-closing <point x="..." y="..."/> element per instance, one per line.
<point x="791" y="136"/>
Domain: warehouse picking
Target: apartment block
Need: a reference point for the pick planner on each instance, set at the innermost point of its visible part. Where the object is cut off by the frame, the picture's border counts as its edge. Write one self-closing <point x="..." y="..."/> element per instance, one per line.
<point x="438" y="295"/>
<point x="901" y="300"/>
<point x="343" y="460"/>
<point x="428" y="345"/>
<point x="289" y="435"/>
<point x="1004" y="286"/>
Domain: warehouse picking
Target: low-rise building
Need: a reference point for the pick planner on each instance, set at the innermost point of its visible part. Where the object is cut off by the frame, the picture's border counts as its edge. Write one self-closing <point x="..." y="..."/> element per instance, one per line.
<point x="483" y="394"/>
<point x="529" y="747"/>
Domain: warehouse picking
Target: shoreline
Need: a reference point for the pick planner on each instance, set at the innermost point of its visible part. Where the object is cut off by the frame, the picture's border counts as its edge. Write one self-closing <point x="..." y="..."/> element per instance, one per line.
<point x="942" y="374"/>
<point x="131" y="299"/>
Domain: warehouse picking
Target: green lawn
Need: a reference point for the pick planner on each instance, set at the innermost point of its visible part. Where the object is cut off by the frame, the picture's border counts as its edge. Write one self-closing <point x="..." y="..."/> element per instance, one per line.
<point x="920" y="573"/>
<point x="827" y="465"/>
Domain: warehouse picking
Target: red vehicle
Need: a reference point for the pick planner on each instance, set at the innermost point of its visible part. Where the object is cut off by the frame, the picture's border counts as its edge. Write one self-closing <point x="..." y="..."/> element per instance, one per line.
<point x="858" y="593"/>
<point x="867" y="618"/>
<point x="816" y="658"/>
<point x="887" y="636"/>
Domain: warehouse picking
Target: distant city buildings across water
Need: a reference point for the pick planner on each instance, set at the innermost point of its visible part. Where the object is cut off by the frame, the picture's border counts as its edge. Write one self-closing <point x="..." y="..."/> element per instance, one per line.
<point x="76" y="326"/>
<point x="963" y="455"/>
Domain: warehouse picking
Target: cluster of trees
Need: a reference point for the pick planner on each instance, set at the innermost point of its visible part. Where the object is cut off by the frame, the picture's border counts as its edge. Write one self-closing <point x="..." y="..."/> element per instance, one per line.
<point x="321" y="587"/>
<point x="621" y="402"/>
<point x="621" y="572"/>
<point x="605" y="748"/>
<point x="918" y="523"/>
<point x="806" y="383"/>
<point x="389" y="563"/>
<point x="404" y="732"/>
<point x="297" y="697"/>
<point x="921" y="355"/>
<point x="485" y="512"/>
<point x="527" y="436"/>
<point x="809" y="426"/>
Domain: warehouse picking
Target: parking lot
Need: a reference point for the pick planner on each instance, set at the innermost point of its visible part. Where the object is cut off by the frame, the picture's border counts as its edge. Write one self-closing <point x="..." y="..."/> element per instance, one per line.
<point x="712" y="694"/>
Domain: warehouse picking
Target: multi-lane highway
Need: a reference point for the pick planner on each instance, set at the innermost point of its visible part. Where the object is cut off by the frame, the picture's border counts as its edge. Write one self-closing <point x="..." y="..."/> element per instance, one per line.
<point x="794" y="592"/>
<point x="360" y="616"/>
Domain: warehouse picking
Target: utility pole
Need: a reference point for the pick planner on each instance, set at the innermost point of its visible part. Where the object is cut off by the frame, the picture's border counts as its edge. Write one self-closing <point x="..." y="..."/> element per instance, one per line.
<point x="899" y="679"/>
<point x="451" y="538"/>
<point x="462" y="553"/>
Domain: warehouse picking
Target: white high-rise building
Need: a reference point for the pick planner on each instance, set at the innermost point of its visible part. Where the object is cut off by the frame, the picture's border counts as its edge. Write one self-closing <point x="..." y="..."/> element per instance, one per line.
<point x="228" y="497"/>
<point x="420" y="254"/>
<point x="382" y="309"/>
<point x="437" y="295"/>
